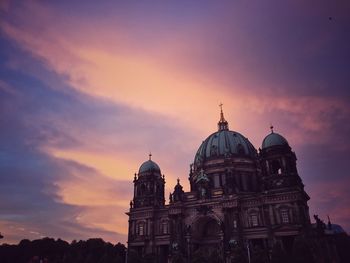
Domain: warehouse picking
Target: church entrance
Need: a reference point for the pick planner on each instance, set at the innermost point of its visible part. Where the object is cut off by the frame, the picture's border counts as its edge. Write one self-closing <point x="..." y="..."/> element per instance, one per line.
<point x="206" y="240"/>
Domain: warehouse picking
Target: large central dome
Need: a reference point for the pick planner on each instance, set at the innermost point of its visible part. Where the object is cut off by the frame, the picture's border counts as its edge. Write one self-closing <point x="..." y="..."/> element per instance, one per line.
<point x="224" y="143"/>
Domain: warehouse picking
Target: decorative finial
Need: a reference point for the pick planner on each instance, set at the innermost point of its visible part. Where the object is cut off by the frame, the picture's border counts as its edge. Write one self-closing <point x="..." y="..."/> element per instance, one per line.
<point x="271" y="128"/>
<point x="150" y="156"/>
<point x="221" y="112"/>
<point x="222" y="124"/>
<point x="178" y="180"/>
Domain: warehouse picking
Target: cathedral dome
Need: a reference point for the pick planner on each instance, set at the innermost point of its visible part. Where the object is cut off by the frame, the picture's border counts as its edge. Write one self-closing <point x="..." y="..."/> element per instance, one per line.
<point x="149" y="166"/>
<point x="274" y="139"/>
<point x="224" y="143"/>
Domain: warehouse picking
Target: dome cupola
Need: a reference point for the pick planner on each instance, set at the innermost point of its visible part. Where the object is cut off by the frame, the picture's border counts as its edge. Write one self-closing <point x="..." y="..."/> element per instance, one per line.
<point x="278" y="163"/>
<point x="149" y="166"/>
<point x="224" y="143"/>
<point x="225" y="160"/>
<point x="274" y="139"/>
<point x="148" y="186"/>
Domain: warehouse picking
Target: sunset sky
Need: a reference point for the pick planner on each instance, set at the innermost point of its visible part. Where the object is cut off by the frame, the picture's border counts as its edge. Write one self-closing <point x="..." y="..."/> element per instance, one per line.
<point x="88" y="89"/>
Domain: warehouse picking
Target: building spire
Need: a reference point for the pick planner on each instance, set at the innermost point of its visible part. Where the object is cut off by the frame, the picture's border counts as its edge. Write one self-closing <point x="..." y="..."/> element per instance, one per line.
<point x="271" y="128"/>
<point x="150" y="156"/>
<point x="222" y="124"/>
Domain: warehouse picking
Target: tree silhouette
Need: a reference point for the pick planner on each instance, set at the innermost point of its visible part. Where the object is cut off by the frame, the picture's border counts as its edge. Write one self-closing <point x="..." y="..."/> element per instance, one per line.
<point x="59" y="251"/>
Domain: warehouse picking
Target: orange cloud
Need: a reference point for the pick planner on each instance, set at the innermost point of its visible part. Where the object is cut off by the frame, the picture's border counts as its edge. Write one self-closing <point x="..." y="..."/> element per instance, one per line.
<point x="106" y="164"/>
<point x="116" y="71"/>
<point x="142" y="80"/>
<point x="100" y="193"/>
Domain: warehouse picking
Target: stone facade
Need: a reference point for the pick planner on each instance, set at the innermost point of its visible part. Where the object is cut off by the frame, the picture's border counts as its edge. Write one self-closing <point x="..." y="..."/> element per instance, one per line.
<point x="238" y="197"/>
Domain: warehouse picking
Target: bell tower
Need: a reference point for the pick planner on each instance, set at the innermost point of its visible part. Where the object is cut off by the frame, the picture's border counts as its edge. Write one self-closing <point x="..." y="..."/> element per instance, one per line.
<point x="282" y="183"/>
<point x="278" y="163"/>
<point x="148" y="185"/>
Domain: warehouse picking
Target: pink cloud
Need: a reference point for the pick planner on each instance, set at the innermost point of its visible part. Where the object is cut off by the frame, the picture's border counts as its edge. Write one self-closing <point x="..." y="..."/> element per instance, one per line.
<point x="331" y="198"/>
<point x="169" y="81"/>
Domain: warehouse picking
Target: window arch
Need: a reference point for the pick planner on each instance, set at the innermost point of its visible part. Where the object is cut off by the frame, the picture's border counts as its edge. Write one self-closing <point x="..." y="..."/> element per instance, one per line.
<point x="276" y="167"/>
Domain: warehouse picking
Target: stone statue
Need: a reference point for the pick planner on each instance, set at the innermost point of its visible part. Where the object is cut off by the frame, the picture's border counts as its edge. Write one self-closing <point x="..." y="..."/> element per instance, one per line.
<point x="320" y="225"/>
<point x="202" y="177"/>
<point x="175" y="246"/>
<point x="203" y="192"/>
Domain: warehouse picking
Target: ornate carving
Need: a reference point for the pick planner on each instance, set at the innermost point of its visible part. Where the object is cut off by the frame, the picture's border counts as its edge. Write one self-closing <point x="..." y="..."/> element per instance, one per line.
<point x="204" y="209"/>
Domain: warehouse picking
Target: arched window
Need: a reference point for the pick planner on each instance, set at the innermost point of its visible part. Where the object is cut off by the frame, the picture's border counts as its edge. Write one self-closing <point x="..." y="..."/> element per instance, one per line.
<point x="276" y="167"/>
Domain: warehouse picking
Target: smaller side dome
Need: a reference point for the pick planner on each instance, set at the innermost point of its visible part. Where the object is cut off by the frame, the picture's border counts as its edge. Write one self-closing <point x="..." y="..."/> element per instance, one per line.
<point x="274" y="139"/>
<point x="149" y="166"/>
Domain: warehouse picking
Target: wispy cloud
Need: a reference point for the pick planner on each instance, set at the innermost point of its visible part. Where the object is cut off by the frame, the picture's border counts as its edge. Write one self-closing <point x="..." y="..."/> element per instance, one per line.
<point x="84" y="98"/>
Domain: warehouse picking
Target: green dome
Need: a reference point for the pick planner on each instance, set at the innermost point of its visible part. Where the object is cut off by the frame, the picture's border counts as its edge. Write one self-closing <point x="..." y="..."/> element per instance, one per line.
<point x="225" y="143"/>
<point x="274" y="139"/>
<point x="149" y="166"/>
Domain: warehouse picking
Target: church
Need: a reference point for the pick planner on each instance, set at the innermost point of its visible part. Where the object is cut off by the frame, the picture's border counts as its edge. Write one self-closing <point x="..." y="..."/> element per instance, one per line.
<point x="239" y="197"/>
